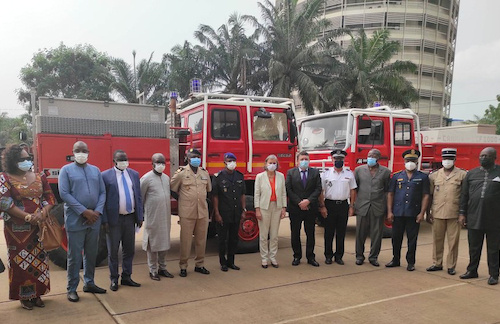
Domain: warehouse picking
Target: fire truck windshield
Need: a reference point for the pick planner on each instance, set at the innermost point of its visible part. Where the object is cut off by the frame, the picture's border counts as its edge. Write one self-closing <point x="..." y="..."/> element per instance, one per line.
<point x="323" y="133"/>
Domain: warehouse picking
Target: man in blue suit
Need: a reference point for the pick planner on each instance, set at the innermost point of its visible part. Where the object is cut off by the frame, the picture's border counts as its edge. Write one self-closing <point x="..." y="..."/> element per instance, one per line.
<point x="123" y="210"/>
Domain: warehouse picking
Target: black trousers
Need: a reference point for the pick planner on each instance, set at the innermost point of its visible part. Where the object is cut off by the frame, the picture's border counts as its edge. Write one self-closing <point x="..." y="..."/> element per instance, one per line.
<point x="401" y="225"/>
<point x="124" y="233"/>
<point x="309" y="219"/>
<point x="228" y="242"/>
<point x="335" y="224"/>
<point x="476" y="238"/>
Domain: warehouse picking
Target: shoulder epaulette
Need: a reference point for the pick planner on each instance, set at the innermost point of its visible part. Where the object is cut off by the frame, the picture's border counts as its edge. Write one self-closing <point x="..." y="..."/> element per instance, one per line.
<point x="179" y="169"/>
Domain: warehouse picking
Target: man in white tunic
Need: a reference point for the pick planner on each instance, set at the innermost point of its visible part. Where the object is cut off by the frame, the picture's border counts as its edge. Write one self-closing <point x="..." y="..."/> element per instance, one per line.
<point x="155" y="189"/>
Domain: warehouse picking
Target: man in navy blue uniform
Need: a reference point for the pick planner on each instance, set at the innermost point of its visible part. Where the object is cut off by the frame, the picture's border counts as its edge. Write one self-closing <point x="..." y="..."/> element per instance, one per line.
<point x="407" y="202"/>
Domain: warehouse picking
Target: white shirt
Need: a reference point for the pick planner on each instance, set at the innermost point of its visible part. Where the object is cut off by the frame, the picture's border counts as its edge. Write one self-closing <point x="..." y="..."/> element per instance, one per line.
<point x="338" y="185"/>
<point x="123" y="201"/>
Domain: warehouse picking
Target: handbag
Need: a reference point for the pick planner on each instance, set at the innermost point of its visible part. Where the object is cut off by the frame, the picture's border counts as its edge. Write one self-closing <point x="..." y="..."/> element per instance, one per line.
<point x="51" y="234"/>
<point x="2" y="266"/>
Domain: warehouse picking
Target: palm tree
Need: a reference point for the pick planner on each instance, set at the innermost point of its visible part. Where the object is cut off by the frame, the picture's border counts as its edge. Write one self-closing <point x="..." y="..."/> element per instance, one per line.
<point x="362" y="74"/>
<point x="151" y="80"/>
<point x="290" y="33"/>
<point x="229" y="55"/>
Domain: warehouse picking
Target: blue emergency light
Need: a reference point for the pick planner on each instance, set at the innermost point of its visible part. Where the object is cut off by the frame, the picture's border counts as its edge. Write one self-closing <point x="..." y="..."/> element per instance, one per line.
<point x="195" y="85"/>
<point x="174" y="94"/>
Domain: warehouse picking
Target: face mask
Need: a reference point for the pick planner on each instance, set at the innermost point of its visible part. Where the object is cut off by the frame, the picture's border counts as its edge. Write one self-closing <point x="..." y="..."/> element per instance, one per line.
<point x="195" y="162"/>
<point x="81" y="158"/>
<point x="25" y="165"/>
<point x="231" y="165"/>
<point x="410" y="166"/>
<point x="371" y="161"/>
<point x="447" y="164"/>
<point x="339" y="164"/>
<point x="304" y="164"/>
<point x="271" y="167"/>
<point x="122" y="165"/>
<point x="486" y="162"/>
<point x="159" y="167"/>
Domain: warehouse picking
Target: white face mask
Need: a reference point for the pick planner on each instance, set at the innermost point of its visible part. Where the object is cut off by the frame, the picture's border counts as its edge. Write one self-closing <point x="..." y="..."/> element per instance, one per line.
<point x="231" y="165"/>
<point x="410" y="166"/>
<point x="448" y="164"/>
<point x="122" y="165"/>
<point x="271" y="167"/>
<point x="81" y="158"/>
<point x="159" y="167"/>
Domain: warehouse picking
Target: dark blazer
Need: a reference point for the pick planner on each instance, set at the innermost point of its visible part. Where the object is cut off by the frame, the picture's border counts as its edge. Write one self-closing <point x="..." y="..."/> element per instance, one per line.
<point x="112" y="207"/>
<point x="296" y="191"/>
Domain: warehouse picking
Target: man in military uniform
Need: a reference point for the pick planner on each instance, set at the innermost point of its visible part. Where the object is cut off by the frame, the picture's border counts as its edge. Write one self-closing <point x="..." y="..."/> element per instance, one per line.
<point x="407" y="202"/>
<point x="445" y="186"/>
<point x="338" y="185"/>
<point x="191" y="183"/>
<point x="479" y="206"/>
<point x="229" y="207"/>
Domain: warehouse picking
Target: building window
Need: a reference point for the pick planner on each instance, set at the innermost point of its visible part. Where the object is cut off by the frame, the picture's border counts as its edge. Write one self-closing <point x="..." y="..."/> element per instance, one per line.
<point x="195" y="121"/>
<point x="225" y="124"/>
<point x="402" y="134"/>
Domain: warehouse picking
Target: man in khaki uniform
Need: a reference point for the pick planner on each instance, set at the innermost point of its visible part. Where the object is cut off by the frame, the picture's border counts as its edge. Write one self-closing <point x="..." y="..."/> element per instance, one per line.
<point x="191" y="183"/>
<point x="446" y="184"/>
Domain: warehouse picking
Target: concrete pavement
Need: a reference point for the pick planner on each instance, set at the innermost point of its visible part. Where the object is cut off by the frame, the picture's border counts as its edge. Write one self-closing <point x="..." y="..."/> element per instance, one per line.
<point x="302" y="294"/>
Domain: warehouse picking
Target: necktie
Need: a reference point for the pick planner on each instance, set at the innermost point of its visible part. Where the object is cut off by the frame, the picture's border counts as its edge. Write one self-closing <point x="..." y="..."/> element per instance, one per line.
<point x="128" y="200"/>
<point x="304" y="179"/>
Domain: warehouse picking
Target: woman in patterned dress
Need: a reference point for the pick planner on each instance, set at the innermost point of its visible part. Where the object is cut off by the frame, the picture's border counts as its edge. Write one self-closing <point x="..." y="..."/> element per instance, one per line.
<point x="25" y="199"/>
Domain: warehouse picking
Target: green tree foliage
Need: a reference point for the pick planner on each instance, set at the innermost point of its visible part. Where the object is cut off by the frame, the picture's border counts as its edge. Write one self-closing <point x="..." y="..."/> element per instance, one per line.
<point x="491" y="116"/>
<point x="71" y="72"/>
<point x="151" y="79"/>
<point x="10" y="128"/>
<point x="362" y="74"/>
<point x="290" y="34"/>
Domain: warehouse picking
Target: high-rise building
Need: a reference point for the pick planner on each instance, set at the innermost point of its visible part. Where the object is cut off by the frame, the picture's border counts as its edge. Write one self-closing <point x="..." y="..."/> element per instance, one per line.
<point x="426" y="31"/>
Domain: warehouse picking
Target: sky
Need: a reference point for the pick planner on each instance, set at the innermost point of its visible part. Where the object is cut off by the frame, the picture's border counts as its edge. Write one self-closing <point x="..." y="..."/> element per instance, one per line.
<point x="118" y="27"/>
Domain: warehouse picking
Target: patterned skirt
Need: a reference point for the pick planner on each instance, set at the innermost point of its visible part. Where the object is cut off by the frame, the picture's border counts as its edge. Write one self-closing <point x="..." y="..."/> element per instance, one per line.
<point x="28" y="262"/>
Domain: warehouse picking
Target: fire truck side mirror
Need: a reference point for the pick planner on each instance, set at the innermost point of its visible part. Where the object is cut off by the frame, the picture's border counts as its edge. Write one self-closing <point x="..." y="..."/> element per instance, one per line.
<point x="182" y="132"/>
<point x="293" y="132"/>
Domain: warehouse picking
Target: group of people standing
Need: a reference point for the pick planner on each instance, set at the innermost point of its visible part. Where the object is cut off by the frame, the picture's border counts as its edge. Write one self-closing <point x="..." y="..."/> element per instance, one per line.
<point x="121" y="201"/>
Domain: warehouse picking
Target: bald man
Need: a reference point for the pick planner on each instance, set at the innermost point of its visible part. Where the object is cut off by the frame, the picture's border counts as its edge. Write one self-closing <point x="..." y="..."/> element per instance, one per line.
<point x="82" y="189"/>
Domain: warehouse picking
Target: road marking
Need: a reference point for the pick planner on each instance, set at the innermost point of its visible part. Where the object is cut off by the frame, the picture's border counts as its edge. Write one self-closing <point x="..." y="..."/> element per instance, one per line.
<point x="370" y="303"/>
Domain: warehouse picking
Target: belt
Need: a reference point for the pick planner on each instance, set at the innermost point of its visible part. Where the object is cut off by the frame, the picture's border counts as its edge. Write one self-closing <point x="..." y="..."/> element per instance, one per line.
<point x="127" y="214"/>
<point x="338" y="202"/>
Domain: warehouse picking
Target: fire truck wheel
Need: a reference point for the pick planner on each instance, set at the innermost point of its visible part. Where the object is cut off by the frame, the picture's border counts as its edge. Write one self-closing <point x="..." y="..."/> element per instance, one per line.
<point x="249" y="230"/>
<point x="60" y="256"/>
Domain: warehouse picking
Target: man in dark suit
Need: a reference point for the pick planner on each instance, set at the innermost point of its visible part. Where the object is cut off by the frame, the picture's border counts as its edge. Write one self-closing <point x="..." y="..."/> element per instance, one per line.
<point x="303" y="187"/>
<point x="123" y="210"/>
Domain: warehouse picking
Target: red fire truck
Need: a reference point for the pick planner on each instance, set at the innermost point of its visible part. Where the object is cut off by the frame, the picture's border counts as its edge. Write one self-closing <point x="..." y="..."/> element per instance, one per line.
<point x="249" y="126"/>
<point x="392" y="132"/>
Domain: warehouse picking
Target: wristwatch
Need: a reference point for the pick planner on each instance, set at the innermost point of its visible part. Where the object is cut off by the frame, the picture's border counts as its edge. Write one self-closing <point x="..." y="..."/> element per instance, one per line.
<point x="27" y="218"/>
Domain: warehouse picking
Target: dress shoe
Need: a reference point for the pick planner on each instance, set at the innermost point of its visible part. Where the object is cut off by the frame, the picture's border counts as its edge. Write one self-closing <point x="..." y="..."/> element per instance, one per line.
<point x="38" y="302"/>
<point x="234" y="267"/>
<point x="339" y="261"/>
<point x="183" y="273"/>
<point x="26" y="304"/>
<point x="154" y="276"/>
<point x="469" y="275"/>
<point x="165" y="273"/>
<point x="493" y="281"/>
<point x="223" y="268"/>
<point x="392" y="264"/>
<point x="374" y="263"/>
<point x="328" y="260"/>
<point x="130" y="282"/>
<point x="296" y="261"/>
<point x="359" y="261"/>
<point x="434" y="268"/>
<point x="92" y="288"/>
<point x="313" y="262"/>
<point x="410" y="267"/>
<point x="114" y="286"/>
<point x="451" y="271"/>
<point x="275" y="265"/>
<point x="264" y="266"/>
<point x="72" y="296"/>
<point x="201" y="270"/>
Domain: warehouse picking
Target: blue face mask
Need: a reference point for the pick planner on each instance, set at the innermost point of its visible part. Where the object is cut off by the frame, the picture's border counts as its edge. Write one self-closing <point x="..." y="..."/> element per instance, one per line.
<point x="304" y="164"/>
<point x="25" y="165"/>
<point x="195" y="162"/>
<point x="371" y="161"/>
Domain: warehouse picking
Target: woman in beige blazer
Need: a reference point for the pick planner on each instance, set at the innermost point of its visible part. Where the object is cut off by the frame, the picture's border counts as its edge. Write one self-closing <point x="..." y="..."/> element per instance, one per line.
<point x="270" y="208"/>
